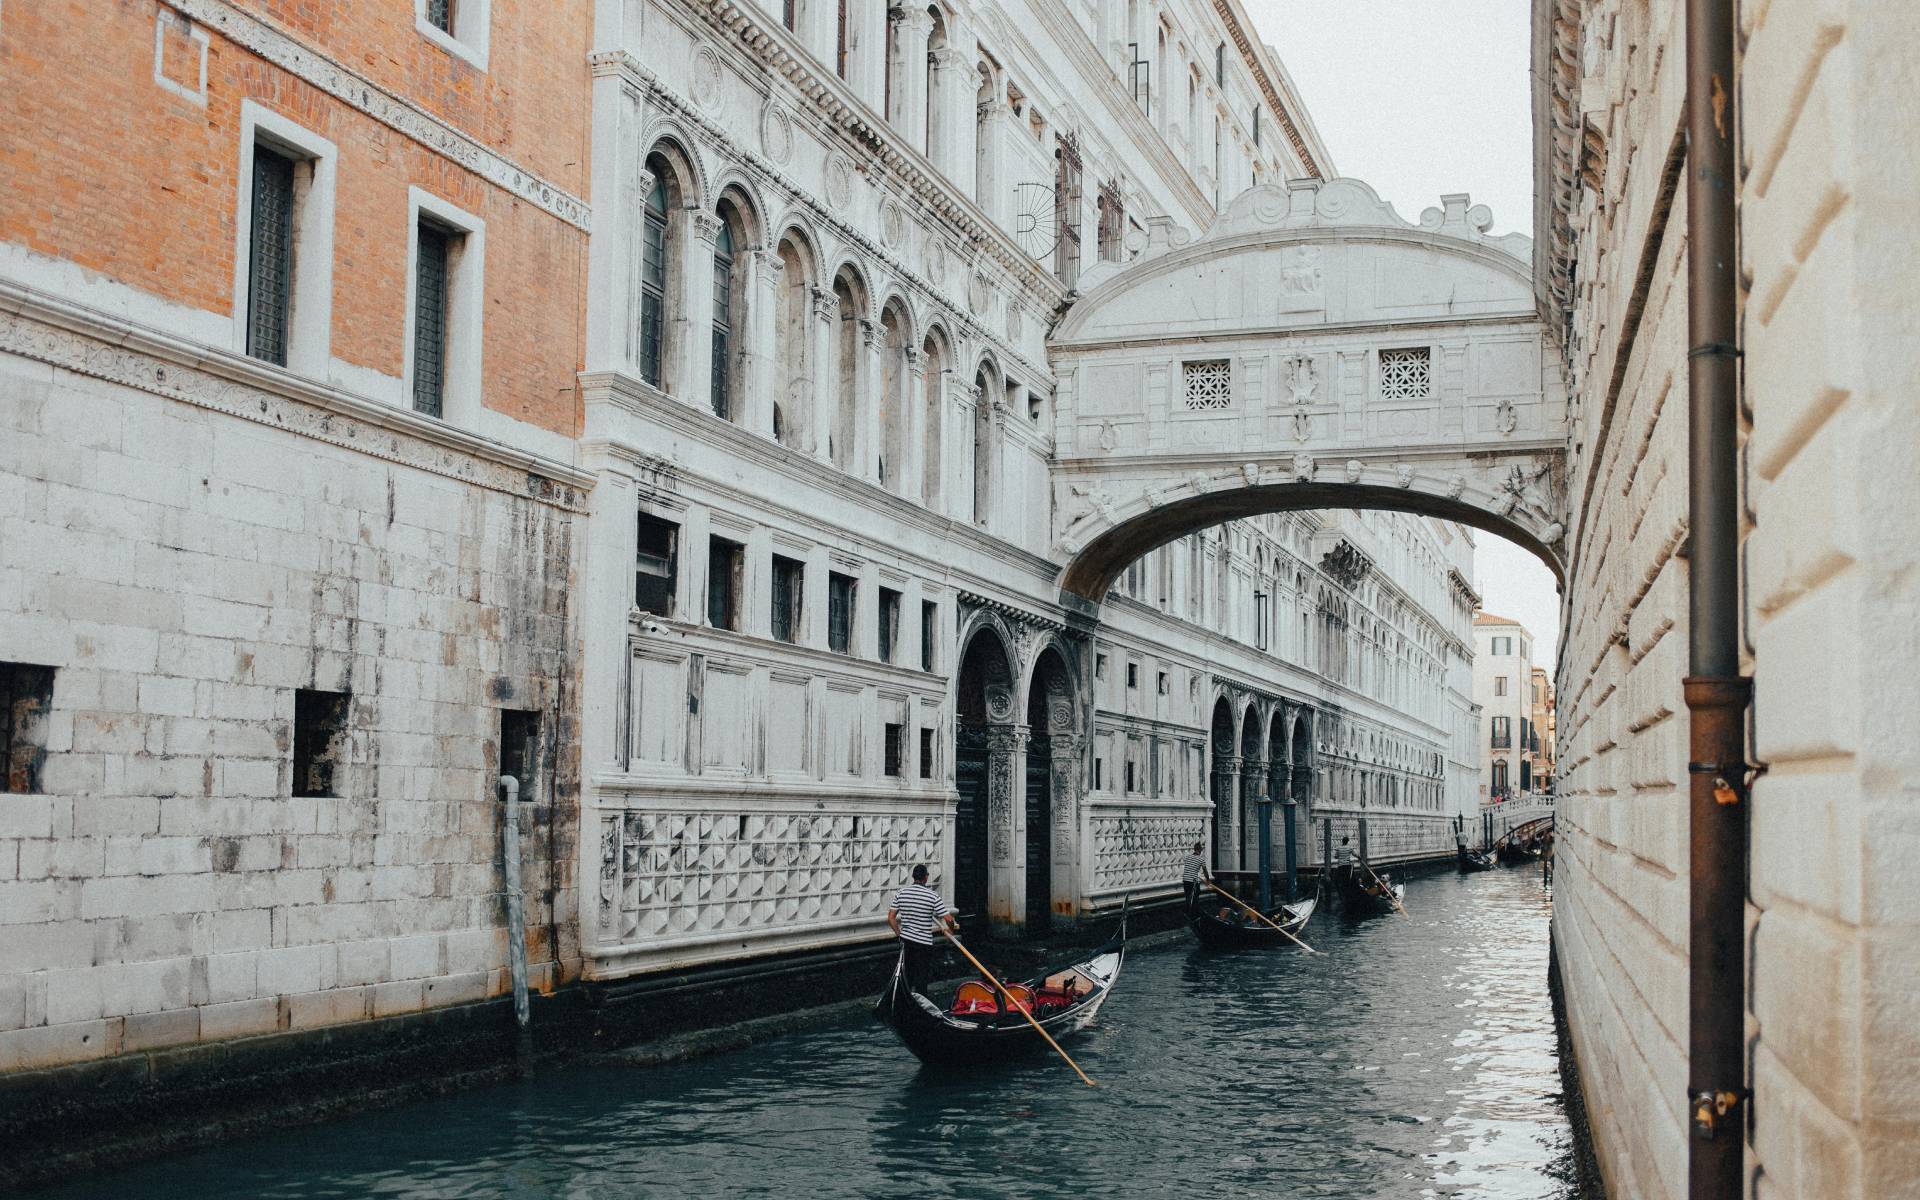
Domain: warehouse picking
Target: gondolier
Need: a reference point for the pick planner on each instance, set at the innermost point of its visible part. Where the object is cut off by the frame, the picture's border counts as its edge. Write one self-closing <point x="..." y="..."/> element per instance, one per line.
<point x="915" y="909"/>
<point x="1193" y="869"/>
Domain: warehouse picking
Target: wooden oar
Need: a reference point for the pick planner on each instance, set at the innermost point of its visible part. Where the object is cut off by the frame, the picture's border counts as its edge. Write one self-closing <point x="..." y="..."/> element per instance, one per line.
<point x="1015" y="1001"/>
<point x="1382" y="885"/>
<point x="1262" y="916"/>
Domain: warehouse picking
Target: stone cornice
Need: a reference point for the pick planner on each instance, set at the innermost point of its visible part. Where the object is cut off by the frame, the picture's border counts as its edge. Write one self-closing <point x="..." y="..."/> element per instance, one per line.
<point x="1250" y="51"/>
<point x="261" y="37"/>
<point x="1011" y="612"/>
<point x="85" y="341"/>
<point x="650" y="404"/>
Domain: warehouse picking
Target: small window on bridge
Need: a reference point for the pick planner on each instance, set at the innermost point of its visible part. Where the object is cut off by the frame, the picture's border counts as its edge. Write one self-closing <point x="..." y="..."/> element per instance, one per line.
<point x="1209" y="385"/>
<point x="1406" y="374"/>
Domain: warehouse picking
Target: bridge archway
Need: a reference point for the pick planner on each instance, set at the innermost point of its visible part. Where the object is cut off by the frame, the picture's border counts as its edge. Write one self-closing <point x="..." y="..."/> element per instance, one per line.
<point x="1311" y="350"/>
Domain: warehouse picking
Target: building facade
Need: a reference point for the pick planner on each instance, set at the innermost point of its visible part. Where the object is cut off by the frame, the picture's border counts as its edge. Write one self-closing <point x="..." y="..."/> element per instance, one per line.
<point x="1828" y="592"/>
<point x="1541" y="733"/>
<point x="653" y="405"/>
<point x="1503" y="673"/>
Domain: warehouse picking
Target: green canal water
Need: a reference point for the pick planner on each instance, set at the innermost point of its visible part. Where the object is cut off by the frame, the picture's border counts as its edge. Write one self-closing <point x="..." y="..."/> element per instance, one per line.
<point x="1414" y="1058"/>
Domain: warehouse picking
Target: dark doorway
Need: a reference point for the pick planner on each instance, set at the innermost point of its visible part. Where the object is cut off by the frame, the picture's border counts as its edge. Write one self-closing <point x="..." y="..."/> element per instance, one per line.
<point x="1225" y="849"/>
<point x="983" y="669"/>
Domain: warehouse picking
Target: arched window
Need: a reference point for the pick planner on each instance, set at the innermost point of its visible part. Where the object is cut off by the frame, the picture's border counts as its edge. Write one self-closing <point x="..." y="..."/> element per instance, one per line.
<point x="793" y="345"/>
<point x="846" y="360"/>
<point x="1499" y="776"/>
<point x="933" y="413"/>
<point x="653" y="276"/>
<point x="723" y="304"/>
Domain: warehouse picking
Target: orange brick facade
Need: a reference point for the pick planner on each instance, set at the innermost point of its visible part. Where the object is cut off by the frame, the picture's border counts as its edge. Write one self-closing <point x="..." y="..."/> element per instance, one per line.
<point x="131" y="179"/>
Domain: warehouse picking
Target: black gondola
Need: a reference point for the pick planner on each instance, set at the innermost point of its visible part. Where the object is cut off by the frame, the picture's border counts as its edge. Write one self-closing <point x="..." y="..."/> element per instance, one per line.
<point x="1473" y="860"/>
<point x="1224" y="927"/>
<point x="982" y="1028"/>
<point x="1366" y="893"/>
<point x="1513" y="853"/>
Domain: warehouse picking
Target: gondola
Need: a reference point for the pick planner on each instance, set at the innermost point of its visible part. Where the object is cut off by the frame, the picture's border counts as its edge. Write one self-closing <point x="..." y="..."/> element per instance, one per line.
<point x="1225" y="928"/>
<point x="1367" y="893"/>
<point x="1514" y="854"/>
<point x="979" y="1027"/>
<point x="1472" y="861"/>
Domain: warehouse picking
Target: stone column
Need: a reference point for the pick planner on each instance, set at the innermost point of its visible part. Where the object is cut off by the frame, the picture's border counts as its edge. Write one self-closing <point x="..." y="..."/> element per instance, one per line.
<point x="913" y="422"/>
<point x="826" y="370"/>
<point x="692" y="317"/>
<point x="1066" y="777"/>
<point x="1253" y="794"/>
<point x="1226" y="811"/>
<point x="1299" y="797"/>
<point x="1006" y="848"/>
<point x="951" y="83"/>
<point x="760" y="385"/>
<point x="868" y="438"/>
<point x="990" y="186"/>
<point x="907" y="55"/>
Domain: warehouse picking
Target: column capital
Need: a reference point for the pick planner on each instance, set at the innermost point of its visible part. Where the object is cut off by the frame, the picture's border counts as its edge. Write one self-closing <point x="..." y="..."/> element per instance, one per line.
<point x="706" y="226"/>
<point x="1007" y="739"/>
<point x="826" y="305"/>
<point x="947" y="58"/>
<point x="870" y="332"/>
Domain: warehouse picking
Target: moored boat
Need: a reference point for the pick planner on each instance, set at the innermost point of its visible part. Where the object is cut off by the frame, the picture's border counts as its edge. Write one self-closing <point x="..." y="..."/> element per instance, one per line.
<point x="982" y="1026"/>
<point x="1473" y="860"/>
<point x="1223" y="927"/>
<point x="1369" y="893"/>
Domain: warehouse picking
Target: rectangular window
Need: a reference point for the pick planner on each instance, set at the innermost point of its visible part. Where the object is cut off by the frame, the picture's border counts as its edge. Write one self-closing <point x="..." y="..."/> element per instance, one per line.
<point x="896" y="748"/>
<point x="520" y="750"/>
<point x="1129" y="779"/>
<point x="840" y="589"/>
<point x="725" y="561"/>
<point x="1099" y="773"/>
<point x="789" y="588"/>
<point x="1100" y="666"/>
<point x="1502" y="645"/>
<point x="656" y="571"/>
<point x="889" y="624"/>
<point x="430" y="318"/>
<point x="928" y="749"/>
<point x="1209" y="385"/>
<point x="653" y="285"/>
<point x="1502" y="728"/>
<point x="1133" y="675"/>
<point x="1220" y="64"/>
<point x="790" y="14"/>
<point x="1260" y="620"/>
<point x="841" y="37"/>
<point x="929" y="634"/>
<point x="1110" y="234"/>
<point x="320" y="742"/>
<point x="1256" y="128"/>
<point x="270" y="256"/>
<point x="1406" y="374"/>
<point x="26" y="697"/>
<point x="1499" y="685"/>
<point x="1165" y="684"/>
<point x="721" y="381"/>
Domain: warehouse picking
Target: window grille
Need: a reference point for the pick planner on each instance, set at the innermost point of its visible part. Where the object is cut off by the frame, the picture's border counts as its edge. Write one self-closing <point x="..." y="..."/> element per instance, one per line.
<point x="1406" y="374"/>
<point x="1209" y="385"/>
<point x="430" y="319"/>
<point x="722" y="318"/>
<point x="789" y="586"/>
<point x="440" y="15"/>
<point x="1066" y="210"/>
<point x="1111" y="233"/>
<point x="653" y="277"/>
<point x="840" y="613"/>
<point x="270" y="261"/>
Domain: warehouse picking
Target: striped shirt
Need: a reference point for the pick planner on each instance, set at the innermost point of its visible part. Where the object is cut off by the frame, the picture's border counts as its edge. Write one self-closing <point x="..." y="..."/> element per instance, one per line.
<point x="1190" y="868"/>
<point x="918" y="906"/>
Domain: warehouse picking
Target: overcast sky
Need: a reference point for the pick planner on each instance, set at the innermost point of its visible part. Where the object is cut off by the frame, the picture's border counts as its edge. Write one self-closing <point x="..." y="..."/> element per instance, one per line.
<point x="1420" y="98"/>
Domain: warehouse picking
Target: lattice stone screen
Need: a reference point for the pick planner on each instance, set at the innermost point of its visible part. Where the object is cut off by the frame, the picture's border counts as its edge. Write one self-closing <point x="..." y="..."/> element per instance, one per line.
<point x="670" y="874"/>
<point x="1209" y="385"/>
<point x="1406" y="374"/>
<point x="1141" y="851"/>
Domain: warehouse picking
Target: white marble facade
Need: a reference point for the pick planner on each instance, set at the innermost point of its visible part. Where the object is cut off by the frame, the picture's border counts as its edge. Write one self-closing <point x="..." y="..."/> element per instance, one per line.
<point x="888" y="674"/>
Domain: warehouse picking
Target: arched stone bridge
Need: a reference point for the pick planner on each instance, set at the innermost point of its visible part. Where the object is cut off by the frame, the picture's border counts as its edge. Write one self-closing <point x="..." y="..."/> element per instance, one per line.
<point x="1311" y="350"/>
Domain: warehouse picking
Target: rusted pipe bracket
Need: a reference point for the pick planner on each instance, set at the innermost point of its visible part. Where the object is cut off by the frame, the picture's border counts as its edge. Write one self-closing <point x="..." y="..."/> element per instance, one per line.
<point x="1709" y="1106"/>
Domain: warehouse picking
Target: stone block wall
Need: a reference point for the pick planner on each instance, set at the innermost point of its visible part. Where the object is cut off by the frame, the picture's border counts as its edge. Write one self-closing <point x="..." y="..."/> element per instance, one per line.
<point x="187" y="549"/>
<point x="1830" y="597"/>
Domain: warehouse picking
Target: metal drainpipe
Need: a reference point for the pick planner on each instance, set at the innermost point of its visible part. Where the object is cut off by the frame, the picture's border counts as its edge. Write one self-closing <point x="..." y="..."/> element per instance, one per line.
<point x="516" y="923"/>
<point x="1716" y="693"/>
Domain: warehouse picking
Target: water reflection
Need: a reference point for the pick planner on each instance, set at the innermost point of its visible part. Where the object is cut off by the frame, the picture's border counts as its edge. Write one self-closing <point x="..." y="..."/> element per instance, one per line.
<point x="1414" y="1058"/>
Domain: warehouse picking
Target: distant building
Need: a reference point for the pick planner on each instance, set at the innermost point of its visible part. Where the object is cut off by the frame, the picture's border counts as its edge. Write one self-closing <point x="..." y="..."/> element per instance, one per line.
<point x="1503" y="675"/>
<point x="1540" y="737"/>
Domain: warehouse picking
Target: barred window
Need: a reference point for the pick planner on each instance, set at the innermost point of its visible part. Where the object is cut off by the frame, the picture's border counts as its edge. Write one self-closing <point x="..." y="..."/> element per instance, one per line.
<point x="653" y="275"/>
<point x="270" y="258"/>
<point x="26" y="697"/>
<point x="1209" y="385"/>
<point x="430" y="319"/>
<point x="440" y="15"/>
<point x="1406" y="374"/>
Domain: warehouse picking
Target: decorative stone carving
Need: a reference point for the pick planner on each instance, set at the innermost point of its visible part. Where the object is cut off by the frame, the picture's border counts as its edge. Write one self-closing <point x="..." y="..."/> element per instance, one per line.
<point x="705" y="86"/>
<point x="1353" y="470"/>
<point x="706" y="227"/>
<point x="1000" y="702"/>
<point x="776" y="133"/>
<point x="1109" y="436"/>
<point x="826" y="305"/>
<point x="1302" y="380"/>
<point x="979" y="293"/>
<point x="1300" y="272"/>
<point x="1015" y="322"/>
<point x="893" y="221"/>
<point x="1456" y="485"/>
<point x="840" y="181"/>
<point x="936" y="261"/>
<point x="1403" y="475"/>
<point x="1303" y="467"/>
<point x="1141" y="851"/>
<point x="1504" y="418"/>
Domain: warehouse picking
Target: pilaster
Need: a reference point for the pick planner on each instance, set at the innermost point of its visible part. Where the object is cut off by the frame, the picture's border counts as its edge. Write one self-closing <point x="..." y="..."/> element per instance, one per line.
<point x="1006" y="847"/>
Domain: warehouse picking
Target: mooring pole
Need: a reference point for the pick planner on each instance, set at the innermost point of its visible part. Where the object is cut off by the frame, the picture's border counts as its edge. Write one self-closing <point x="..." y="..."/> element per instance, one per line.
<point x="1266" y="853"/>
<point x="1716" y="693"/>
<point x="1365" y="858"/>
<point x="1326" y="850"/>
<point x="1291" y="810"/>
<point x="516" y="923"/>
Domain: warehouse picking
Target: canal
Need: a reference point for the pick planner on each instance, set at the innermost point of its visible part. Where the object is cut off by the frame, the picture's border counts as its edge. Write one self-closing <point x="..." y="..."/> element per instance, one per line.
<point x="1415" y="1058"/>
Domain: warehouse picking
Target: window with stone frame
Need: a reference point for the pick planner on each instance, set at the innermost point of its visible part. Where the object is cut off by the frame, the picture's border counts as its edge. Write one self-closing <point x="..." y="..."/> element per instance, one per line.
<point x="1406" y="374"/>
<point x="26" y="697"/>
<point x="1111" y="231"/>
<point x="840" y="598"/>
<point x="726" y="570"/>
<point x="656" y="566"/>
<point x="889" y="624"/>
<point x="1209" y="385"/>
<point x="789" y="589"/>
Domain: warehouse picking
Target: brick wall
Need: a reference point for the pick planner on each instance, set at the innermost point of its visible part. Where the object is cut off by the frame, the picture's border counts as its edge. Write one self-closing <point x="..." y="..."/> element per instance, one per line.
<point x="1831" y="594"/>
<point x="134" y="180"/>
